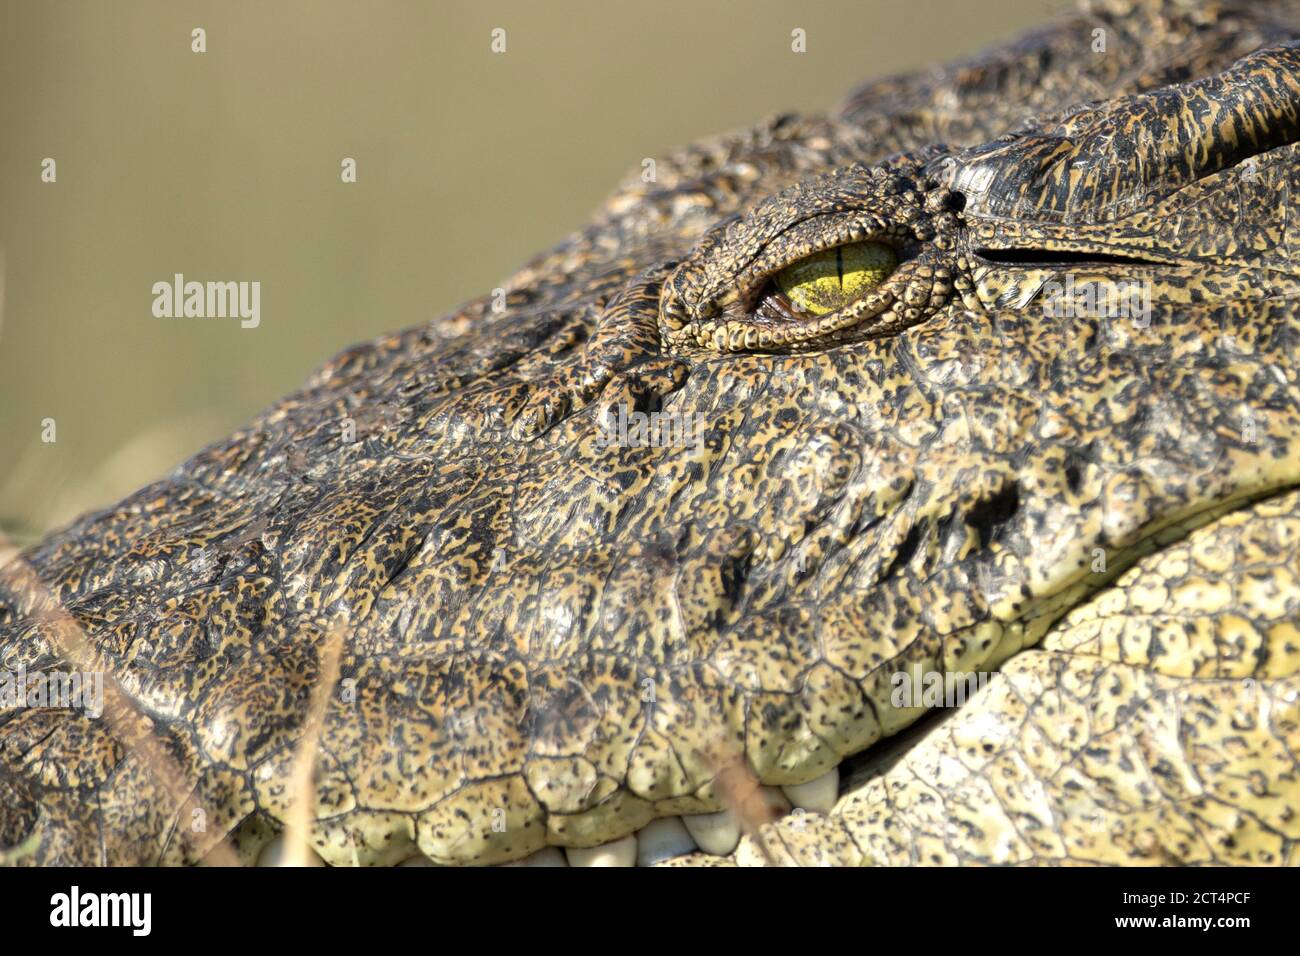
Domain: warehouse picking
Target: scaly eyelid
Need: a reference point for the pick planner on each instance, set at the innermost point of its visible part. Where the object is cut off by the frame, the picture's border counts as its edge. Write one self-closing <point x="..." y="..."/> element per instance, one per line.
<point x="719" y="298"/>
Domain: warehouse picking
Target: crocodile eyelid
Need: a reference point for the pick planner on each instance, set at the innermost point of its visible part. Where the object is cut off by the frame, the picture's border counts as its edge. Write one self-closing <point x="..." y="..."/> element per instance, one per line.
<point x="718" y="298"/>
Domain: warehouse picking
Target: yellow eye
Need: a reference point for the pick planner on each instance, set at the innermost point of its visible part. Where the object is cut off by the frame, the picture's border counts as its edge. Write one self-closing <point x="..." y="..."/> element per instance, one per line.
<point x="829" y="280"/>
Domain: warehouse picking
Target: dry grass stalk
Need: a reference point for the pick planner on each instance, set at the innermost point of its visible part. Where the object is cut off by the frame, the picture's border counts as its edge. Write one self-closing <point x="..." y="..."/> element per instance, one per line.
<point x="302" y="778"/>
<point x="131" y="727"/>
<point x="742" y="795"/>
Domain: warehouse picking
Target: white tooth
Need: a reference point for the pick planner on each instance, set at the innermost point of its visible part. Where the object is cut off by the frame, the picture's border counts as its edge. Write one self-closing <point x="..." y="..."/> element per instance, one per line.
<point x="417" y="861"/>
<point x="550" y="856"/>
<point x="817" y="795"/>
<point x="662" y="840"/>
<point x="276" y="853"/>
<point x="618" y="853"/>
<point x="716" y="833"/>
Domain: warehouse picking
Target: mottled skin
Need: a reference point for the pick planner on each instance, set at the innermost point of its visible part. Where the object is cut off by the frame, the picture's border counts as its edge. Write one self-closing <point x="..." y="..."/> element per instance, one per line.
<point x="571" y="637"/>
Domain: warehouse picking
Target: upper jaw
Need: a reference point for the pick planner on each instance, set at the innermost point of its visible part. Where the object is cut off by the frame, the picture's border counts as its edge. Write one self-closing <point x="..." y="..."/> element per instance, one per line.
<point x="890" y="525"/>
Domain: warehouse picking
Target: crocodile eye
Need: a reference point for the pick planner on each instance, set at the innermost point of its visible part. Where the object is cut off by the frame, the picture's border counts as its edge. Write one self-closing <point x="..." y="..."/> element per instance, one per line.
<point x="829" y="280"/>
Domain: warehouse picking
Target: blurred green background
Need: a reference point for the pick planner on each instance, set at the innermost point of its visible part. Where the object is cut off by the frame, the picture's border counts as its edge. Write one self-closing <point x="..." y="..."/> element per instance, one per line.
<point x="225" y="166"/>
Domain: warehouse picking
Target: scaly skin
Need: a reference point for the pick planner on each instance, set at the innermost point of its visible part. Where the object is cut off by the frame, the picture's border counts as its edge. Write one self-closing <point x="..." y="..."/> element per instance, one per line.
<point x="552" y="640"/>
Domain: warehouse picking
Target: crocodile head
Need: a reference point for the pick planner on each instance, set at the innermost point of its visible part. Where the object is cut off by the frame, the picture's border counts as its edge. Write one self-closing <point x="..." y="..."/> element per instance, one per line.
<point x="948" y="381"/>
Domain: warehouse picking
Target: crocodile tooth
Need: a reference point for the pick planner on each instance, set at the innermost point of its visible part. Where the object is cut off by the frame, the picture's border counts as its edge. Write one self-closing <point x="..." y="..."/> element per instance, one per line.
<point x="716" y="833"/>
<point x="819" y="794"/>
<point x="618" y="853"/>
<point x="662" y="840"/>
<point x="275" y="853"/>
<point x="548" y="856"/>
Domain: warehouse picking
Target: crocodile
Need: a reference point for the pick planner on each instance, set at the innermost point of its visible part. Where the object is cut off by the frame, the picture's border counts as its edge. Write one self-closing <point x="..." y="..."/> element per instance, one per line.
<point x="673" y="549"/>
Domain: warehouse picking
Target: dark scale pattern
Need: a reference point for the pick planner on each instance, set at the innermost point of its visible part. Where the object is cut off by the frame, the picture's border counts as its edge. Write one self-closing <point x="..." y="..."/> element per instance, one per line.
<point x="552" y="640"/>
